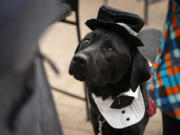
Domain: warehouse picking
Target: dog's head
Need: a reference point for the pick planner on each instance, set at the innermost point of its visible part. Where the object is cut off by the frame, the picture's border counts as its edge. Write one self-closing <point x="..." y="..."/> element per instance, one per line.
<point x="105" y="57"/>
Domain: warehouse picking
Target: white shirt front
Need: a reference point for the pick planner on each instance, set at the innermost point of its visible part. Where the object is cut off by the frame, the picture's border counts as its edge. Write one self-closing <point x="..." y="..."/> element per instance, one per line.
<point x="125" y="117"/>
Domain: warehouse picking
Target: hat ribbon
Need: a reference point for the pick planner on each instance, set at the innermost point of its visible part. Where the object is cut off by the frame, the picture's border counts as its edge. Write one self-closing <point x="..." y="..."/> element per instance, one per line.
<point x="131" y="31"/>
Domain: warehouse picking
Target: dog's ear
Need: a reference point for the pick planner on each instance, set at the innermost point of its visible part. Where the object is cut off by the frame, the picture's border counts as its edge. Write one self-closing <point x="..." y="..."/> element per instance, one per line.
<point x="140" y="69"/>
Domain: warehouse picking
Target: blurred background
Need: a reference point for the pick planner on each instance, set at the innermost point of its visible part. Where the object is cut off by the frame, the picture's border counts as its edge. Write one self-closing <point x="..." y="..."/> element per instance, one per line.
<point x="59" y="43"/>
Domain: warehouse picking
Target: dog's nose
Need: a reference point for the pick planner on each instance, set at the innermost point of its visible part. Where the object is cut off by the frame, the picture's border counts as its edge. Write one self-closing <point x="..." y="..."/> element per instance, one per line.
<point x="80" y="59"/>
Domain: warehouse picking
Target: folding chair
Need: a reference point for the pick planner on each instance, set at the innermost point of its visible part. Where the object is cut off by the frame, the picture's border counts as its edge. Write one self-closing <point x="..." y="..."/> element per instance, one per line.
<point x="72" y="6"/>
<point x="146" y="6"/>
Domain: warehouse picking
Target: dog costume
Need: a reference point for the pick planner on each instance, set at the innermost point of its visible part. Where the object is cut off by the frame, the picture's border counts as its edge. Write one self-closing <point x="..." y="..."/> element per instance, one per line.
<point x="128" y="25"/>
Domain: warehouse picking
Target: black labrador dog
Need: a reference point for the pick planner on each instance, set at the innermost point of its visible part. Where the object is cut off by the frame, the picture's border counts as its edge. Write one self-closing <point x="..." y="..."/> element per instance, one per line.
<point x="109" y="65"/>
<point x="108" y="60"/>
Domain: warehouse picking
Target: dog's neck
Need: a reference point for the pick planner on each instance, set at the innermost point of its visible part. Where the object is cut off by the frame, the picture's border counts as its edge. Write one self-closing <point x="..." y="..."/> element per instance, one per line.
<point x="111" y="89"/>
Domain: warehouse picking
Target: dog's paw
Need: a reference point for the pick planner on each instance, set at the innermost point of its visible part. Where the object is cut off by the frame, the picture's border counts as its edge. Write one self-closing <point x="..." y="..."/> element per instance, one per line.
<point x="122" y="101"/>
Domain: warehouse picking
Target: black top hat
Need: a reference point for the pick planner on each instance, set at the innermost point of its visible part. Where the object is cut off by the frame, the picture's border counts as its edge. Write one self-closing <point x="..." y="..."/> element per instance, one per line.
<point x="125" y="23"/>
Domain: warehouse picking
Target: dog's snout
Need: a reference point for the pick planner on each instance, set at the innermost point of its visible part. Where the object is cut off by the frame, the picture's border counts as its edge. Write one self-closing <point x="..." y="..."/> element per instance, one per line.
<point x="78" y="67"/>
<point x="80" y="59"/>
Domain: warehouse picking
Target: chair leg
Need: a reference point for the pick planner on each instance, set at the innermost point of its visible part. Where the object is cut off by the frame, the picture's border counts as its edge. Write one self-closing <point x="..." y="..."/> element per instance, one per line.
<point x="87" y="102"/>
<point x="78" y="27"/>
<point x="145" y="11"/>
<point x="85" y="90"/>
<point x="105" y="2"/>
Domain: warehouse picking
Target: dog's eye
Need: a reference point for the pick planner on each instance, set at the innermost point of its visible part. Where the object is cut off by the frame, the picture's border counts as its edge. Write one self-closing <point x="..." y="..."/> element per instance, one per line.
<point x="109" y="49"/>
<point x="86" y="42"/>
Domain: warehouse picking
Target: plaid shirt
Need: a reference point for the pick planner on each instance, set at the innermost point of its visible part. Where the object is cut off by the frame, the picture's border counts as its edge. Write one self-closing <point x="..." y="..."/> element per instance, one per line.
<point x="164" y="85"/>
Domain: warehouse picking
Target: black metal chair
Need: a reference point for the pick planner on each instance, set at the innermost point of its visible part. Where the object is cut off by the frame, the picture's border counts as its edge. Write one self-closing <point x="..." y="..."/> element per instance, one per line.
<point x="69" y="6"/>
<point x="146" y="8"/>
<point x="74" y="6"/>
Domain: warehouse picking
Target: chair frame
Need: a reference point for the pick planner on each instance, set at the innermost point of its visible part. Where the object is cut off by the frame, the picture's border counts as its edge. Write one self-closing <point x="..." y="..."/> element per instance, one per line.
<point x="75" y="7"/>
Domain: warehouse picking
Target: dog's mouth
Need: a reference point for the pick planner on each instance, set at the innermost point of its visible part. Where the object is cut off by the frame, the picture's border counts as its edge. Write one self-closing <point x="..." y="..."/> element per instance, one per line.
<point x="86" y="74"/>
<point x="78" y="71"/>
<point x="82" y="72"/>
<point x="79" y="77"/>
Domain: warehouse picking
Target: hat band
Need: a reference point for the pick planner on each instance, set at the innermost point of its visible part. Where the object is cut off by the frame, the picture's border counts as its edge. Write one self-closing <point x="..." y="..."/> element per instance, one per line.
<point x="131" y="31"/>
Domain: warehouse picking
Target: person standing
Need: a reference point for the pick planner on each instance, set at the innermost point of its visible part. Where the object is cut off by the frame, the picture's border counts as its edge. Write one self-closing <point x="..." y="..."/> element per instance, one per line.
<point x="164" y="85"/>
<point x="27" y="106"/>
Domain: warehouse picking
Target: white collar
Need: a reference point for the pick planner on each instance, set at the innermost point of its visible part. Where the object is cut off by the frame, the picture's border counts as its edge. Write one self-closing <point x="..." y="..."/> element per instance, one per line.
<point x="130" y="93"/>
<point x="125" y="117"/>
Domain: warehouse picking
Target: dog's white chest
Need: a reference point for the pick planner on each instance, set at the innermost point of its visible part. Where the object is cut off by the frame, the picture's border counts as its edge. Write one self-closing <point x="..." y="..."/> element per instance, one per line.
<point x="121" y="118"/>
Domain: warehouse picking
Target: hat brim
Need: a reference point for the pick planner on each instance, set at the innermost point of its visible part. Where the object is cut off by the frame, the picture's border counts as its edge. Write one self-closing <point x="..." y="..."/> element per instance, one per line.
<point x="96" y="23"/>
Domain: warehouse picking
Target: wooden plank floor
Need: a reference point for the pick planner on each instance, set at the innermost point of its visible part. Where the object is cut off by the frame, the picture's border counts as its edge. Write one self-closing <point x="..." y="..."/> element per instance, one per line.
<point x="59" y="43"/>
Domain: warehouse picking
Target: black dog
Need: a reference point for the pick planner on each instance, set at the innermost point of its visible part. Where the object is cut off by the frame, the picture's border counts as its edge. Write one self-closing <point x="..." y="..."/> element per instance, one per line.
<point x="109" y="65"/>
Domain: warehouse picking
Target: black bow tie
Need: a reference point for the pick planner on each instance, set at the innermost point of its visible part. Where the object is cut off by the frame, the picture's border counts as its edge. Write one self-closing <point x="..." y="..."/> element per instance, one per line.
<point x="122" y="101"/>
